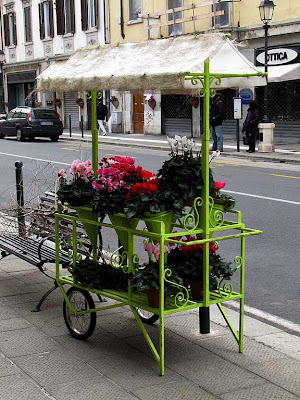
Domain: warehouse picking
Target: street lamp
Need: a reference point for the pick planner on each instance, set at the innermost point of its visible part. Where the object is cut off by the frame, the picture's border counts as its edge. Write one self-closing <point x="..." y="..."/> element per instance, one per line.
<point x="2" y="59"/>
<point x="266" y="9"/>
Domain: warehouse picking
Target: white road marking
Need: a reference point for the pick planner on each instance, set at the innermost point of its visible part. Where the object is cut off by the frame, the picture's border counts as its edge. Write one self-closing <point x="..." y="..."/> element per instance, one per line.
<point x="262" y="197"/>
<point x="35" y="159"/>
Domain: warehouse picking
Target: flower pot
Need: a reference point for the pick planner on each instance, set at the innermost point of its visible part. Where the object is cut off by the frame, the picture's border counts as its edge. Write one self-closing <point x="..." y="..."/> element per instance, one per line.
<point x="122" y="220"/>
<point x="58" y="104"/>
<point x="81" y="104"/>
<point x="196" y="289"/>
<point x="115" y="103"/>
<point x="153" y="221"/>
<point x="85" y="212"/>
<point x="152" y="104"/>
<point x="153" y="297"/>
<point x="194" y="102"/>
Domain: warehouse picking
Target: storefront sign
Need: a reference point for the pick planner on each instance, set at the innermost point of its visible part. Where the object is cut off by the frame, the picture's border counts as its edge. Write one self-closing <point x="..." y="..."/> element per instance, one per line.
<point x="278" y="56"/>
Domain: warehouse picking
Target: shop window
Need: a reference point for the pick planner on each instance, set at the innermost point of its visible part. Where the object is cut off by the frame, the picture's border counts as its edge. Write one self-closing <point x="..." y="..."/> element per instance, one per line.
<point x="89" y="14"/>
<point x="175" y="29"/>
<point x="27" y="24"/>
<point x="46" y="19"/>
<point x="65" y="16"/>
<point x="135" y="8"/>
<point x="10" y="29"/>
<point x="221" y="20"/>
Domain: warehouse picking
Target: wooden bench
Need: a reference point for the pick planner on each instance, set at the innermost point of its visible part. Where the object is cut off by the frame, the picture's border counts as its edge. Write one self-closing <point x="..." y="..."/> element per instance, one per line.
<point x="37" y="244"/>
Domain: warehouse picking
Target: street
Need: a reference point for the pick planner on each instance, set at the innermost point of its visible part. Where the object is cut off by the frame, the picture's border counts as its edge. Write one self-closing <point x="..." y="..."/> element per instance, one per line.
<point x="266" y="193"/>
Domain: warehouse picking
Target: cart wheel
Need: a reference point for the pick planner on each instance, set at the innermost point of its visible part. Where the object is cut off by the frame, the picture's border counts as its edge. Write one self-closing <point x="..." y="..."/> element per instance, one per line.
<point x="147" y="317"/>
<point x="81" y="326"/>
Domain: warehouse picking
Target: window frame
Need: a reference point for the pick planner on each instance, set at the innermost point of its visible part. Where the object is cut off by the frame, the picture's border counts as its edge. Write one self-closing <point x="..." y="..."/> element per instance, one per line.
<point x="219" y="7"/>
<point x="46" y="23"/>
<point x="130" y="12"/>
<point x="86" y="24"/>
<point x="179" y="14"/>
<point x="10" y="29"/>
<point x="62" y="16"/>
<point x="27" y="24"/>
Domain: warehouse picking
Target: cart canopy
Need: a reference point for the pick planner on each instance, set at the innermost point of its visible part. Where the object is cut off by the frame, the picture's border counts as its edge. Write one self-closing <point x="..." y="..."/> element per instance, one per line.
<point x="152" y="65"/>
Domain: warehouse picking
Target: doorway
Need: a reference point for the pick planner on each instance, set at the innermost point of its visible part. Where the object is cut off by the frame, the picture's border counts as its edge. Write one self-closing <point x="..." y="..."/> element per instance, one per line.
<point x="138" y="113"/>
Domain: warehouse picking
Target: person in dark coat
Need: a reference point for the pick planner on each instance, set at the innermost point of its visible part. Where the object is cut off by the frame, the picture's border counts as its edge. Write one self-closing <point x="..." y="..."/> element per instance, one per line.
<point x="101" y="116"/>
<point x="250" y="126"/>
<point x="216" y="117"/>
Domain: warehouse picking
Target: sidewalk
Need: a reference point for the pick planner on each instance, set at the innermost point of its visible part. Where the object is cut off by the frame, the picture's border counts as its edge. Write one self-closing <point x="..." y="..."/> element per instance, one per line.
<point x="40" y="360"/>
<point x="287" y="149"/>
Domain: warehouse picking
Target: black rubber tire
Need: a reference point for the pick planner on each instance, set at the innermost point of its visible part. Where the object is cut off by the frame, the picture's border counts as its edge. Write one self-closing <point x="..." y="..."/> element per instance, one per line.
<point x="20" y="136"/>
<point x="54" y="138"/>
<point x="147" y="317"/>
<point x="83" y="326"/>
<point x="1" y="135"/>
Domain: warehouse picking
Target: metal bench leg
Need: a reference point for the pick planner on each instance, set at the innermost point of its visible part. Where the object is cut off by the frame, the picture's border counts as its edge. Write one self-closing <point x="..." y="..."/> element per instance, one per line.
<point x="38" y="307"/>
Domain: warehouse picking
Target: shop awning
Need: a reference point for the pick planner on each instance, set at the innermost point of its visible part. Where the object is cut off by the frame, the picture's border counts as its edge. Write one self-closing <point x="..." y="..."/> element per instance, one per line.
<point x="280" y="73"/>
<point x="152" y="65"/>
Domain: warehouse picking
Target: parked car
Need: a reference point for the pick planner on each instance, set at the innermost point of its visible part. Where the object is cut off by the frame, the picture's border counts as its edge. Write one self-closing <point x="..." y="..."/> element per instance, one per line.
<point x="30" y="122"/>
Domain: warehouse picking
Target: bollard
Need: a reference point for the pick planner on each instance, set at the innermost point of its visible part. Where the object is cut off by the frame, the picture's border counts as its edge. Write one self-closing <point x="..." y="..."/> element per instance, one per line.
<point x="81" y="120"/>
<point x="204" y="320"/>
<point x="70" y="124"/>
<point x="237" y="135"/>
<point x="20" y="198"/>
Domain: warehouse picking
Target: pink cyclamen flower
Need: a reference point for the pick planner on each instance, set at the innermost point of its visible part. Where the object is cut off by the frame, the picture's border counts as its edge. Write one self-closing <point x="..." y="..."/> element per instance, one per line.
<point x="62" y="173"/>
<point x="220" y="185"/>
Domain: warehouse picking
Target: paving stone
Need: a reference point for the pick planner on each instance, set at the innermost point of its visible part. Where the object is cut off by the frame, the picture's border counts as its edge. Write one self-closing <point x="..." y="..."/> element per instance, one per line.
<point x="6" y="312"/>
<point x="51" y="368"/>
<point x="7" y="367"/>
<point x="25" y="341"/>
<point x="265" y="392"/>
<point x="284" y="343"/>
<point x="13" y="324"/>
<point x="282" y="372"/>
<point x="89" y="389"/>
<point x="21" y="387"/>
<point x="179" y="390"/>
<point x="10" y="288"/>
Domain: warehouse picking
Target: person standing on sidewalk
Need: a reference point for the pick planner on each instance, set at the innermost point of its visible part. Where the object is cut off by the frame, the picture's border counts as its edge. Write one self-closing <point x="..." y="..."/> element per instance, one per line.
<point x="250" y="126"/>
<point x="101" y="116"/>
<point x="217" y="115"/>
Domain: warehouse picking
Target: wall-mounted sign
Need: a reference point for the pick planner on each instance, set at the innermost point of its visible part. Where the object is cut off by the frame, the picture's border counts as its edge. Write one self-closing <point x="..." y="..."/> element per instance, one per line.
<point x="246" y="95"/>
<point x="278" y="55"/>
<point x="237" y="108"/>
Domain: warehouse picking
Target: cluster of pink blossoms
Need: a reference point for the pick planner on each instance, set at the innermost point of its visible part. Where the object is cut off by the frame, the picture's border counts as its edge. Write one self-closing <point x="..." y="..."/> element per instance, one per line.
<point x="109" y="178"/>
<point x="80" y="170"/>
<point x="155" y="249"/>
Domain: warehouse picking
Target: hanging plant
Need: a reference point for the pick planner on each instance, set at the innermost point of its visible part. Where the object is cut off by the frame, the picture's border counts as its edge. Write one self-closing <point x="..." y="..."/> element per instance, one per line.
<point x="80" y="102"/>
<point x="114" y="101"/>
<point x="194" y="100"/>
<point x="152" y="102"/>
<point x="57" y="102"/>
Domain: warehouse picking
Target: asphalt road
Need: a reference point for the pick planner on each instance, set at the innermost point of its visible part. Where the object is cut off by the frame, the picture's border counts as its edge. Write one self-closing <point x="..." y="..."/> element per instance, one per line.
<point x="266" y="193"/>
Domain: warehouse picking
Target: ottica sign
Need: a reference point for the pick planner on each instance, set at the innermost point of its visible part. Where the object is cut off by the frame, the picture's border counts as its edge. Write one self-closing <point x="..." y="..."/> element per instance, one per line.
<point x="278" y="56"/>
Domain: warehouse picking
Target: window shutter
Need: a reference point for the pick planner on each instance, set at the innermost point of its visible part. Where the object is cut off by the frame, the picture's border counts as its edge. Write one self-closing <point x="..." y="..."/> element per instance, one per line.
<point x="6" y="29"/>
<point x="72" y="16"/>
<point x="96" y="12"/>
<point x="51" y="18"/>
<point x="15" y="28"/>
<point x="84" y="15"/>
<point x="28" y="24"/>
<point x="42" y="22"/>
<point x="60" y="20"/>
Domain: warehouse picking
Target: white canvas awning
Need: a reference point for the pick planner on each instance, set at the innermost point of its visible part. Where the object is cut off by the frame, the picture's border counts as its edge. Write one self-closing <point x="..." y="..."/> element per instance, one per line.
<point x="153" y="65"/>
<point x="280" y="73"/>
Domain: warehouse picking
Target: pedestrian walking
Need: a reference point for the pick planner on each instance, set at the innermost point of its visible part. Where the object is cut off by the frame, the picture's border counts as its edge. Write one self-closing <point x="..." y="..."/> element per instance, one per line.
<point x="217" y="115"/>
<point x="250" y="126"/>
<point x="101" y="117"/>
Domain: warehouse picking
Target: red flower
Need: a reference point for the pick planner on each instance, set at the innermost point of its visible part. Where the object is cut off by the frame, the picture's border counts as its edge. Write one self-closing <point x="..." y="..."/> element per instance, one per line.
<point x="220" y="185"/>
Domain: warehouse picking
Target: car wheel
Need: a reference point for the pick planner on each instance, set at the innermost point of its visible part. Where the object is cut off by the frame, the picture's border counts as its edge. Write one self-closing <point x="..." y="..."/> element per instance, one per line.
<point x="54" y="138"/>
<point x="31" y="138"/>
<point x="1" y="135"/>
<point x="20" y="136"/>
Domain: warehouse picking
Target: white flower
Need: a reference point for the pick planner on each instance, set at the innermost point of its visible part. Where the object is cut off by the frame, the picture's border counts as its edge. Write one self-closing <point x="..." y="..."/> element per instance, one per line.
<point x="173" y="144"/>
<point x="214" y="154"/>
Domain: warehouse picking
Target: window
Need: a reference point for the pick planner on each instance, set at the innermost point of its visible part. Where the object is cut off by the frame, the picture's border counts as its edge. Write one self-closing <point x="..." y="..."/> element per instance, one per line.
<point x="46" y="19"/>
<point x="221" y="20"/>
<point x="65" y="13"/>
<point x="27" y="23"/>
<point x="135" y="8"/>
<point x="176" y="29"/>
<point x="10" y="30"/>
<point x="89" y="14"/>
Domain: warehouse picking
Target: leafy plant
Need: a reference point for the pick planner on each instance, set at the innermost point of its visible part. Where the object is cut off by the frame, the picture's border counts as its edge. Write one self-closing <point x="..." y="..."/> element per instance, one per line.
<point x="224" y="199"/>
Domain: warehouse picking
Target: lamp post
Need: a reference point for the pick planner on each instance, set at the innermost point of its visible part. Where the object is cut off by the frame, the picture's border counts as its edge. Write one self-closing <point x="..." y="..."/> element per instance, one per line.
<point x="266" y="9"/>
<point x="2" y="59"/>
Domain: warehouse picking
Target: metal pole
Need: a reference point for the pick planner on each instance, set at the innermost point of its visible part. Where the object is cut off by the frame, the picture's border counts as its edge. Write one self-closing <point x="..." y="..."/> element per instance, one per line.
<point x="70" y="124"/>
<point x="81" y="119"/>
<point x="204" y="321"/>
<point x="20" y="198"/>
<point x="237" y="135"/>
<point x="265" y="117"/>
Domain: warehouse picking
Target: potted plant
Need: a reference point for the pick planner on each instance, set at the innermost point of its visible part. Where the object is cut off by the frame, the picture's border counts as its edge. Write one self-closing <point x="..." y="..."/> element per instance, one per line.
<point x="80" y="102"/>
<point x="57" y="102"/>
<point x="114" y="101"/>
<point x="152" y="102"/>
<point x="225" y="201"/>
<point x="194" y="100"/>
<point x="146" y="279"/>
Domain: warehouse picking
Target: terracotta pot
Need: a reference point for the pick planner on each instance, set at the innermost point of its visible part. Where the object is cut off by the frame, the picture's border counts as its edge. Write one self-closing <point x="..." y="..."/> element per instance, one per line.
<point x="58" y="104"/>
<point x="153" y="298"/>
<point x="81" y="104"/>
<point x="194" y="102"/>
<point x="115" y="103"/>
<point x="196" y="289"/>
<point x="152" y="104"/>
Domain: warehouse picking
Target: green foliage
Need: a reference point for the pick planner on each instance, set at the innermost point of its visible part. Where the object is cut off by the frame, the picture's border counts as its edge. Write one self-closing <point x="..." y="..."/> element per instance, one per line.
<point x="147" y="277"/>
<point x="109" y="203"/>
<point x="91" y="274"/>
<point x="224" y="199"/>
<point x="76" y="193"/>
